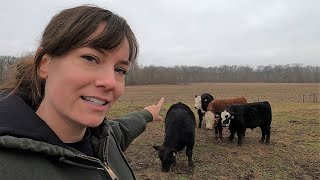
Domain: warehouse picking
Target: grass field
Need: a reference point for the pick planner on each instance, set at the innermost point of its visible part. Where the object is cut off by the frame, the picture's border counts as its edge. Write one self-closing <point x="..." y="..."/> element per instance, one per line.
<point x="293" y="153"/>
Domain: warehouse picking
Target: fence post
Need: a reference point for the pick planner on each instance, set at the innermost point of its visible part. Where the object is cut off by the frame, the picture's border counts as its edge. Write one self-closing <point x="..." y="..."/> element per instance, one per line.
<point x="303" y="98"/>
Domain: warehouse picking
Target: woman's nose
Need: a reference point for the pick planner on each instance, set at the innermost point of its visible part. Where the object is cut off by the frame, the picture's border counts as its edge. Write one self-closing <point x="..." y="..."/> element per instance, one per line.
<point x="106" y="80"/>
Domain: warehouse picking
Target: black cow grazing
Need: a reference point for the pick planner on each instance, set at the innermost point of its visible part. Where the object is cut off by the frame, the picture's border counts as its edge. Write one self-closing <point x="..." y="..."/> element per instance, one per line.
<point x="201" y="103"/>
<point x="251" y="115"/>
<point x="179" y="133"/>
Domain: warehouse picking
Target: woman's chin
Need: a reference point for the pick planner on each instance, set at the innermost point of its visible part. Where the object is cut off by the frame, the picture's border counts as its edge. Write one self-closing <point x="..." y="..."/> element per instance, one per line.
<point x="94" y="122"/>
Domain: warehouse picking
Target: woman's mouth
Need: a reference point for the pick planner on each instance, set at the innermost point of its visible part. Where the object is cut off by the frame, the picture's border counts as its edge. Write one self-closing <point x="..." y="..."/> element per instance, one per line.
<point x="94" y="100"/>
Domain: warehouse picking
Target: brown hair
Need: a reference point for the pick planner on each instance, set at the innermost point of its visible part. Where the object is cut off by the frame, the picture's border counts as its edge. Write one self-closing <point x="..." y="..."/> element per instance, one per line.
<point x="66" y="31"/>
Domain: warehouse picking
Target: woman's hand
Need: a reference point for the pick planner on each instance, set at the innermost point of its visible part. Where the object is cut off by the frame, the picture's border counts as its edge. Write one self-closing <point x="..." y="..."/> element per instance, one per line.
<point x="155" y="109"/>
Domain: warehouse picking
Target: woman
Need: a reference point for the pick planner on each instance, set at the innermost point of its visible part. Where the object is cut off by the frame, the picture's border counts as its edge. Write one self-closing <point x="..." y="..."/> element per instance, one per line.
<point x="52" y="107"/>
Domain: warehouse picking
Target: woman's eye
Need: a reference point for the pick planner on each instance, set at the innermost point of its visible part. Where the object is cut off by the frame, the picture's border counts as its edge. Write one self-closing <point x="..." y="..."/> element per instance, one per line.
<point x="90" y="59"/>
<point x="121" y="70"/>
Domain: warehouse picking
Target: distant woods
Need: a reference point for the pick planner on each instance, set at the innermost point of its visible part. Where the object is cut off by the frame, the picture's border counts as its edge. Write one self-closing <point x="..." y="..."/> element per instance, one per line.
<point x="142" y="75"/>
<point x="295" y="73"/>
<point x="5" y="63"/>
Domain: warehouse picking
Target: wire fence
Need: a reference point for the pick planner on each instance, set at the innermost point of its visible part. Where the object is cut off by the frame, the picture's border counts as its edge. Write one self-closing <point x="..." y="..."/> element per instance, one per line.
<point x="310" y="98"/>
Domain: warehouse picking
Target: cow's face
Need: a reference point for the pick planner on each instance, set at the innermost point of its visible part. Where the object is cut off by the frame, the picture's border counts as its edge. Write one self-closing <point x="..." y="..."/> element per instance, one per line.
<point x="167" y="156"/>
<point x="209" y="118"/>
<point x="226" y="118"/>
<point x="217" y="118"/>
<point x="197" y="102"/>
<point x="205" y="100"/>
<point x="202" y="102"/>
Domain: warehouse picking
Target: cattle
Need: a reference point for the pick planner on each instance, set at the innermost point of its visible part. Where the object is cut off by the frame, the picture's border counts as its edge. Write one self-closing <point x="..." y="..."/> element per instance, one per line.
<point x="208" y="117"/>
<point x="201" y="103"/>
<point x="216" y="107"/>
<point x="180" y="126"/>
<point x="251" y="115"/>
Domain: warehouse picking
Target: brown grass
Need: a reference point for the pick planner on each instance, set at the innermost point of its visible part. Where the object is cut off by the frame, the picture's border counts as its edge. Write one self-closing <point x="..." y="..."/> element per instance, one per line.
<point x="294" y="151"/>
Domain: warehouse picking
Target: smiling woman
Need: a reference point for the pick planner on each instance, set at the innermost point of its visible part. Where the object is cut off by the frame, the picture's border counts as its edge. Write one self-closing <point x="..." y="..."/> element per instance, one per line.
<point x="62" y="96"/>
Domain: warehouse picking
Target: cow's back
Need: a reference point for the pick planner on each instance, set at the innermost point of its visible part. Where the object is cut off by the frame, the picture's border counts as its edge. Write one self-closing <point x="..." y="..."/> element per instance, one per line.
<point x="178" y="112"/>
<point x="179" y="119"/>
<point x="252" y="114"/>
<point x="180" y="126"/>
<point x="219" y="105"/>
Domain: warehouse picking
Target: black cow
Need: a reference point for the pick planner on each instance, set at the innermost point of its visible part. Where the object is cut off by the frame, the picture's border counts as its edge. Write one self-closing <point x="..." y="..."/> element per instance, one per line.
<point x="179" y="133"/>
<point x="251" y="115"/>
<point x="201" y="103"/>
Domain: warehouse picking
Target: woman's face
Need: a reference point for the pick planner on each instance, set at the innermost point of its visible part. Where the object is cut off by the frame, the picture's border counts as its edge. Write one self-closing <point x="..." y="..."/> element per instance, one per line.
<point x="82" y="85"/>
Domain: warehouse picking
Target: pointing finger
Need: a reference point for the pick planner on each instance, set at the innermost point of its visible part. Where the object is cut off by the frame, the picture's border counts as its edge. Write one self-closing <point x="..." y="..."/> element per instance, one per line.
<point x="160" y="102"/>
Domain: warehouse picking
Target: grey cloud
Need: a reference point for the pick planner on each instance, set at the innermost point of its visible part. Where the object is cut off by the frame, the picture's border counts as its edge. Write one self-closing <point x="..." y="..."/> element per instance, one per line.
<point x="190" y="32"/>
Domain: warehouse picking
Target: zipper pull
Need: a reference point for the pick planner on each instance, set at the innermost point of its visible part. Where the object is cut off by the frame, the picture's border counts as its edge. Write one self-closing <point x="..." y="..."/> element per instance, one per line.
<point x="110" y="172"/>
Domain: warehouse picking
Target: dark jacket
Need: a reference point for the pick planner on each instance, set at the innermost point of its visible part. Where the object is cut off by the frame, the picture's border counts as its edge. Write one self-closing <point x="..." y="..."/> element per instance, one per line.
<point x="30" y="150"/>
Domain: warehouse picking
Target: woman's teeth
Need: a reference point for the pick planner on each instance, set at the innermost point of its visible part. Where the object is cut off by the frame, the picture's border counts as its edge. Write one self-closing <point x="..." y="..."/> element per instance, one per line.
<point x="94" y="100"/>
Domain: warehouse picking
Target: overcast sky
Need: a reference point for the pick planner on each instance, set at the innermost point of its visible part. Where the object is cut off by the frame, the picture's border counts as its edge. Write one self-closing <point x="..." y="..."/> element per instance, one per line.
<point x="187" y="32"/>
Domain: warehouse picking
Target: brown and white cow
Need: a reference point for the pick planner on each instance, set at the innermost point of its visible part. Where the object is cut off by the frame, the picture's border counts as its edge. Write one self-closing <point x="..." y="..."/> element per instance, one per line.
<point x="217" y="106"/>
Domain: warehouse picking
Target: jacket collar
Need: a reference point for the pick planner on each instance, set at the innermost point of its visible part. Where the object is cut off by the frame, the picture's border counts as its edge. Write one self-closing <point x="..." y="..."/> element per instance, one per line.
<point x="18" y="119"/>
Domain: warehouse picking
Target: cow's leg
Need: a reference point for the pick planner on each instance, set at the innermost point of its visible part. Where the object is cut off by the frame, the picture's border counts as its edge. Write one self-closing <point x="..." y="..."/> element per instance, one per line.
<point x="174" y="162"/>
<point x="200" y="118"/>
<point x="263" y="132"/>
<point x="189" y="155"/>
<point x="216" y="133"/>
<point x="268" y="134"/>
<point x="240" y="134"/>
<point x="190" y="162"/>
<point x="220" y="132"/>
<point x="216" y="126"/>
<point x="231" y="136"/>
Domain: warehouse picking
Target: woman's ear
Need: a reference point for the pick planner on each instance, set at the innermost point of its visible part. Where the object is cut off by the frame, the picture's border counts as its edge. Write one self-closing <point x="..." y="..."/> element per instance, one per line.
<point x="44" y="66"/>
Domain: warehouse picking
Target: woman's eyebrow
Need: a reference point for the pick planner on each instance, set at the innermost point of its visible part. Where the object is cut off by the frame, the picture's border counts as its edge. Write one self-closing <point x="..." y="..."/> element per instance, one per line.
<point x="103" y="51"/>
<point x="124" y="62"/>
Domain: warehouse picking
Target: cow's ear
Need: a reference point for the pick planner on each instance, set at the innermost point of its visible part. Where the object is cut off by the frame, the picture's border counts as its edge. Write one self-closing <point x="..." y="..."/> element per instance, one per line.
<point x="196" y="96"/>
<point x="232" y="116"/>
<point x="158" y="148"/>
<point x="174" y="152"/>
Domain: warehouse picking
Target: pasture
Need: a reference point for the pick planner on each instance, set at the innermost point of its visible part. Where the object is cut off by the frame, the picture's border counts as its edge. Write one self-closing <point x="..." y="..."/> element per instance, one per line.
<point x="293" y="152"/>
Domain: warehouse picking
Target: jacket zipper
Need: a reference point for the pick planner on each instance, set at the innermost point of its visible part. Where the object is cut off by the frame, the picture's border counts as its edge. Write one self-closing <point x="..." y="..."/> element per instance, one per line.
<point x="110" y="172"/>
<point x="105" y="158"/>
<point x="123" y="156"/>
<point x="105" y="166"/>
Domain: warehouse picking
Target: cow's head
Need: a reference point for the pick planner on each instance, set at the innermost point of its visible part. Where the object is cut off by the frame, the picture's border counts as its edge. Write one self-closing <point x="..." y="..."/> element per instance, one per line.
<point x="226" y="118"/>
<point x="197" y="102"/>
<point x="167" y="156"/>
<point x="217" y="118"/>
<point x="202" y="102"/>
<point x="209" y="119"/>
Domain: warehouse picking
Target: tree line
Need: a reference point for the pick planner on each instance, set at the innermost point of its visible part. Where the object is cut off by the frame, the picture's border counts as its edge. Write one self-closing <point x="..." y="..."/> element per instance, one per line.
<point x="290" y="73"/>
<point x="142" y="75"/>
